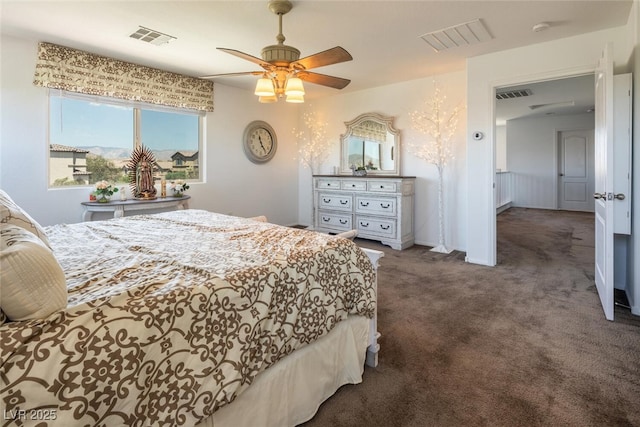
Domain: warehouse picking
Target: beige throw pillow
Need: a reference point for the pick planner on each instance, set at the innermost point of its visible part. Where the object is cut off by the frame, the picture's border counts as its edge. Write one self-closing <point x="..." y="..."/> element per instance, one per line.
<point x="11" y="213"/>
<point x="32" y="283"/>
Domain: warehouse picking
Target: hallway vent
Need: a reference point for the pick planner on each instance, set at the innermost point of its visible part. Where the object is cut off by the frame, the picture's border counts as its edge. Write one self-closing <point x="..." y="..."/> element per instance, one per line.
<point x="514" y="94"/>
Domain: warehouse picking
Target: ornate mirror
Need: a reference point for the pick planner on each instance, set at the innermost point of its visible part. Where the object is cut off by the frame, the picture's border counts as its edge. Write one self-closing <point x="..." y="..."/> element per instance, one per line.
<point x="371" y="146"/>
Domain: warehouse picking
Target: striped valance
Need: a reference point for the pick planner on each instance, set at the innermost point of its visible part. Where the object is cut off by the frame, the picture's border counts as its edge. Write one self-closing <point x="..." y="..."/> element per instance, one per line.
<point x="370" y="130"/>
<point x="60" y="67"/>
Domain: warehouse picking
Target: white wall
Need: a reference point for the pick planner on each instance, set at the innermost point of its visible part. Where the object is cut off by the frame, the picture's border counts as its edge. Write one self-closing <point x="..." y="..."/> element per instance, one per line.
<point x="560" y="58"/>
<point x="399" y="100"/>
<point x="532" y="157"/>
<point x="233" y="184"/>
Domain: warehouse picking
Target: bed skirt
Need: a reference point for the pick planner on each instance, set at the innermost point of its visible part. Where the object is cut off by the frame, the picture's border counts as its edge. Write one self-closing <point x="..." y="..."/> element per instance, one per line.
<point x="291" y="391"/>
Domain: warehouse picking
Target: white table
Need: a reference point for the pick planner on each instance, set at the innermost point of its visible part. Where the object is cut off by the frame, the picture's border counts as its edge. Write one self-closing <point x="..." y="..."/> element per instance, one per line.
<point x="119" y="207"/>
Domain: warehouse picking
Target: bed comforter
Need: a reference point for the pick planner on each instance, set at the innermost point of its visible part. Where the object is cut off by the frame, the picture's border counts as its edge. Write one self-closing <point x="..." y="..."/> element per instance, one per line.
<point x="170" y="316"/>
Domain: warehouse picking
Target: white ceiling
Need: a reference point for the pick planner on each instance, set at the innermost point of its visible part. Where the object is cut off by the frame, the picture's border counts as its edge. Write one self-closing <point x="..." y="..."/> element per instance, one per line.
<point x="382" y="36"/>
<point x="573" y="95"/>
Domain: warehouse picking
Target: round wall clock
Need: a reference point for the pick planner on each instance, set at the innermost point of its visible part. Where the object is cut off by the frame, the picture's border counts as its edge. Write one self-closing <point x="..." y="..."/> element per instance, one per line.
<point x="259" y="142"/>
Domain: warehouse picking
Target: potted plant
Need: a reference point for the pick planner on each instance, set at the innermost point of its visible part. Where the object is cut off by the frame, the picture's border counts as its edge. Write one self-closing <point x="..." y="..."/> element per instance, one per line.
<point x="104" y="191"/>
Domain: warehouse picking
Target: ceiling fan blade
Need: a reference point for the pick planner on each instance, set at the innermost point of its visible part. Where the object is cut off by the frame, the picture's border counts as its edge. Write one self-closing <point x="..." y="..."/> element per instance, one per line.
<point x="247" y="57"/>
<point x="328" y="57"/>
<point x="323" y="79"/>
<point x="246" y="73"/>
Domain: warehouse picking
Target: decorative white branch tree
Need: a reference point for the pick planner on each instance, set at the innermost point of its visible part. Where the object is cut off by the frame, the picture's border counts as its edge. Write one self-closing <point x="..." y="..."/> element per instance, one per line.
<point x="439" y="126"/>
<point x="314" y="148"/>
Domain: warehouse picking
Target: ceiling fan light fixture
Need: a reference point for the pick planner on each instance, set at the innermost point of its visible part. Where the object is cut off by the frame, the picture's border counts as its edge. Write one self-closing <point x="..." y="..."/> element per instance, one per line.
<point x="283" y="67"/>
<point x="296" y="99"/>
<point x="264" y="87"/>
<point x="294" y="86"/>
<point x="267" y="99"/>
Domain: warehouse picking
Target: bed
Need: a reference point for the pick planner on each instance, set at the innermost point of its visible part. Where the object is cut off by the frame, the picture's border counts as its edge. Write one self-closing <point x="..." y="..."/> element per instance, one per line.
<point x="184" y="318"/>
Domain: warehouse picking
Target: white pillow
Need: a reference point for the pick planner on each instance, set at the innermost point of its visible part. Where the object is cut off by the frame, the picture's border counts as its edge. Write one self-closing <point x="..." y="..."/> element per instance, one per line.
<point x="32" y="283"/>
<point x="11" y="213"/>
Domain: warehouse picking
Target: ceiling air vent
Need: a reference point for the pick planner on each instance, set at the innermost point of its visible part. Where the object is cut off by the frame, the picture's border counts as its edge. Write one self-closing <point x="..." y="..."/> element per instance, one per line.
<point x="151" y="36"/>
<point x="514" y="94"/>
<point x="465" y="34"/>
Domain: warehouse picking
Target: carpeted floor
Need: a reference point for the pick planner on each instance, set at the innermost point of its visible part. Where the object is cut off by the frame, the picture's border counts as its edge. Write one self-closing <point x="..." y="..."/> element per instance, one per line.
<point x="521" y="344"/>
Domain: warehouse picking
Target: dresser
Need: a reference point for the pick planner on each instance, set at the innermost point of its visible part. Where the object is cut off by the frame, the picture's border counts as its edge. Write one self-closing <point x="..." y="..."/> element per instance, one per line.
<point x="379" y="208"/>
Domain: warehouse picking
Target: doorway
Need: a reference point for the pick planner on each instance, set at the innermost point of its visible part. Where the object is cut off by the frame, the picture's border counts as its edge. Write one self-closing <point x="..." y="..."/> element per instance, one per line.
<point x="545" y="140"/>
<point x="576" y="183"/>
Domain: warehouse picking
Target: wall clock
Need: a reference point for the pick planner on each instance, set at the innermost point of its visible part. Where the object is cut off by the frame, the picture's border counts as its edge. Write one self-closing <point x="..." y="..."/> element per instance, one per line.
<point x="259" y="142"/>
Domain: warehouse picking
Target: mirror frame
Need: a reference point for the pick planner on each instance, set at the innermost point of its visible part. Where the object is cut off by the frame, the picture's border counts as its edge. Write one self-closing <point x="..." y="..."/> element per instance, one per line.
<point x="344" y="138"/>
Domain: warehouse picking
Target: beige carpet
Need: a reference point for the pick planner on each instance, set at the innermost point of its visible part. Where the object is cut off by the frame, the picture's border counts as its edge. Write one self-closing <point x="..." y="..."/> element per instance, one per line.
<point x="521" y="344"/>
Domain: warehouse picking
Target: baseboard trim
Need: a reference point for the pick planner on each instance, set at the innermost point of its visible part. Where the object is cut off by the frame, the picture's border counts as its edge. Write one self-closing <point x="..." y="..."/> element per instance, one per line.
<point x="635" y="308"/>
<point x="503" y="208"/>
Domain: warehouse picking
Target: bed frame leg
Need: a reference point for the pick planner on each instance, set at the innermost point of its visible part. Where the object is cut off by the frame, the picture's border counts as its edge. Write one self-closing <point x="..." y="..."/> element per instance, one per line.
<point x="374" y="347"/>
<point x="372" y="352"/>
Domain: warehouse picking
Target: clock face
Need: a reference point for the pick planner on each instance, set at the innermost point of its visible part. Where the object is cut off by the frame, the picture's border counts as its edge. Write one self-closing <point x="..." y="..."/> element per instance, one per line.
<point x="259" y="142"/>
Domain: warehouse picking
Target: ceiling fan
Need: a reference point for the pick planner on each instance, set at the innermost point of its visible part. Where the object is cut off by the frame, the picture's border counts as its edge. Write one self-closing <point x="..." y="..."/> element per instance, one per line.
<point x="284" y="70"/>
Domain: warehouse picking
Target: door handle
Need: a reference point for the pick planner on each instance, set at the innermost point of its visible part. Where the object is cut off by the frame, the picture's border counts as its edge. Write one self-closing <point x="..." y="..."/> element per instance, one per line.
<point x="599" y="195"/>
<point x="619" y="196"/>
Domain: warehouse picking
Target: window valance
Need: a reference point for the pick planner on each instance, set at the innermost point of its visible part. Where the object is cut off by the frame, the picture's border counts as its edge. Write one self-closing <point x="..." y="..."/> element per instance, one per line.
<point x="373" y="131"/>
<point x="60" y="67"/>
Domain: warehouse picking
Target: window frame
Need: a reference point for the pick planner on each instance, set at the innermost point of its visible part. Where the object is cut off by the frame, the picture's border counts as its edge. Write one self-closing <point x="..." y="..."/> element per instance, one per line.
<point x="137" y="108"/>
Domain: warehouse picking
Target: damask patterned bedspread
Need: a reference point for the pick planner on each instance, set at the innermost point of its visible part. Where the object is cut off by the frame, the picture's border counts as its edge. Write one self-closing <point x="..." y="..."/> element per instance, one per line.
<point x="171" y="315"/>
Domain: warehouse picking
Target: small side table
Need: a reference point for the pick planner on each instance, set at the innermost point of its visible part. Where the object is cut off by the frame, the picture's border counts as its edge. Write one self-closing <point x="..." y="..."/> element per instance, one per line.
<point x="119" y="207"/>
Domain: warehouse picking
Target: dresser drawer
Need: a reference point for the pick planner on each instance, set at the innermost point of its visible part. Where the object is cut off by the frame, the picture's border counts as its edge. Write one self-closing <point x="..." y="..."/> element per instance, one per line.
<point x="335" y="221"/>
<point x="359" y="185"/>
<point x="376" y="206"/>
<point x="341" y="202"/>
<point x="327" y="183"/>
<point x="376" y="226"/>
<point x="382" y="186"/>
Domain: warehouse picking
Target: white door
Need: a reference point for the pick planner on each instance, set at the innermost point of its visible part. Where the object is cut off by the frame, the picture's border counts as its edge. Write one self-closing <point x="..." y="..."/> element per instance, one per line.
<point x="576" y="176"/>
<point x="622" y="153"/>
<point x="604" y="180"/>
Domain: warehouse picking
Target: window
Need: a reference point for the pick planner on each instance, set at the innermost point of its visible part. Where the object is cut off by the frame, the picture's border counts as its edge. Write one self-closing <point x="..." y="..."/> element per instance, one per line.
<point x="91" y="139"/>
<point x="364" y="153"/>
